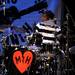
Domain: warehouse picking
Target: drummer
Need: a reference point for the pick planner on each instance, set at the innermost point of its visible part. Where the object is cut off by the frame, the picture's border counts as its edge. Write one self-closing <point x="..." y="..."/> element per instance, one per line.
<point x="48" y="28"/>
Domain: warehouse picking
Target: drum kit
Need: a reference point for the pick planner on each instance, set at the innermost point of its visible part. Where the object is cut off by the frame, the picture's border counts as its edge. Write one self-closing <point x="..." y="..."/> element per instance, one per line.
<point x="45" y="62"/>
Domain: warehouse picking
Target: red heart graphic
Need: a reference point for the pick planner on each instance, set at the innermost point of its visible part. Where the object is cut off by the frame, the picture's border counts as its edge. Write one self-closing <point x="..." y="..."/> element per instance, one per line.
<point x="22" y="61"/>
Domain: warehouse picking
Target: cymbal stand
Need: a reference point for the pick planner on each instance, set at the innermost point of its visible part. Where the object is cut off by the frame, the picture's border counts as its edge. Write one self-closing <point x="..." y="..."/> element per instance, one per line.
<point x="68" y="65"/>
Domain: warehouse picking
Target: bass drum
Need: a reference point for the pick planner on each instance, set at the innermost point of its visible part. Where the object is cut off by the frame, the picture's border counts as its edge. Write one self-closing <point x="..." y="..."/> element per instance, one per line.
<point x="11" y="67"/>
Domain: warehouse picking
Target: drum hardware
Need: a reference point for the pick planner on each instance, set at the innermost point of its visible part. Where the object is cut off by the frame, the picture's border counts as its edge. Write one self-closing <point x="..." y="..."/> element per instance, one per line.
<point x="3" y="69"/>
<point x="36" y="39"/>
<point x="4" y="41"/>
<point x="42" y="62"/>
<point x="42" y="59"/>
<point x="67" y="58"/>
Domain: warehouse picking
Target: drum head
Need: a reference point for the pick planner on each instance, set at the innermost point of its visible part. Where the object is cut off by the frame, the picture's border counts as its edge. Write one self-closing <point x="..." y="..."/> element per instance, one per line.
<point x="20" y="61"/>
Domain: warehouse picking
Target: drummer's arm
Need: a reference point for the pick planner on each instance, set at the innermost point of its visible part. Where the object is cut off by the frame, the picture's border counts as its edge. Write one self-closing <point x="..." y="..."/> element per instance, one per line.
<point x="37" y="29"/>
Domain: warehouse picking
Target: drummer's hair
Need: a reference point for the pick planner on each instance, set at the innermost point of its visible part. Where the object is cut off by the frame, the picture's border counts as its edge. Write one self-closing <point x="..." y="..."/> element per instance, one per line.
<point x="49" y="13"/>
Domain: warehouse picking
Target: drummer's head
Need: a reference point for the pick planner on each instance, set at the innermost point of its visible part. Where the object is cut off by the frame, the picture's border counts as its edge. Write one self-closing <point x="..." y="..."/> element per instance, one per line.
<point x="46" y="15"/>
